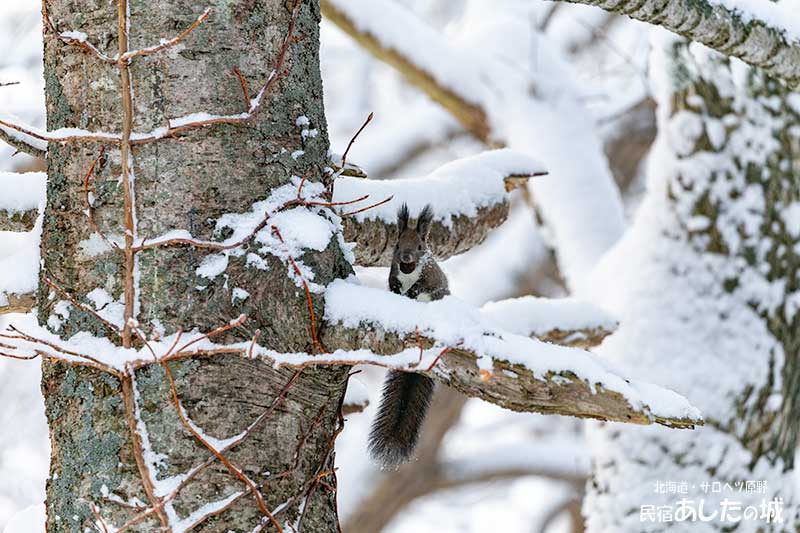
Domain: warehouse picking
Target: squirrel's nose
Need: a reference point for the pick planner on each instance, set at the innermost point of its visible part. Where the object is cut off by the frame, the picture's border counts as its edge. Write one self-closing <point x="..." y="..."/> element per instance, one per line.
<point x="406" y="258"/>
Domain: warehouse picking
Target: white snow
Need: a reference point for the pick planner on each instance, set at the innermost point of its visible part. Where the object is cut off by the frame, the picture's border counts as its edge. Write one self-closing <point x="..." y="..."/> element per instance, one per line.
<point x="59" y="134"/>
<point x="199" y="117"/>
<point x="532" y="105"/>
<point x="239" y="295"/>
<point x="29" y="520"/>
<point x="398" y="29"/>
<point x="680" y="326"/>
<point x="212" y="266"/>
<point x="19" y="261"/>
<point x="357" y="393"/>
<point x="780" y="14"/>
<point x="22" y="192"/>
<point x="210" y="508"/>
<point x="450" y="322"/>
<point x="791" y="217"/>
<point x="530" y="315"/>
<point x="77" y="35"/>
<point x="457" y="188"/>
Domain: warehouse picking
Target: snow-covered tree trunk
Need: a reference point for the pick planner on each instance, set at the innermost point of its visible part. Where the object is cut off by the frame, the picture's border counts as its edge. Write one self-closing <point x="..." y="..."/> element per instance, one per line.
<point x="706" y="287"/>
<point x="118" y="444"/>
<point x="750" y="31"/>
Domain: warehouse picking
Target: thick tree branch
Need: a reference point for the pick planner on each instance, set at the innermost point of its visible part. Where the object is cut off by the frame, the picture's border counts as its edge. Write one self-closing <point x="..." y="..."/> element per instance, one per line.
<point x="719" y="28"/>
<point x="16" y="303"/>
<point x="505" y="104"/>
<point x="470" y="114"/>
<point x="18" y="141"/>
<point x="480" y="360"/>
<point x="18" y="220"/>
<point x="21" y="197"/>
<point x="375" y="238"/>
<point x="565" y="321"/>
<point x="470" y="198"/>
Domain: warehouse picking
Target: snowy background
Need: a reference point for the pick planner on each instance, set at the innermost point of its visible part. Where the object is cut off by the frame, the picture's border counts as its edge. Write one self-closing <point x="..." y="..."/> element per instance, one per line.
<point x="592" y="120"/>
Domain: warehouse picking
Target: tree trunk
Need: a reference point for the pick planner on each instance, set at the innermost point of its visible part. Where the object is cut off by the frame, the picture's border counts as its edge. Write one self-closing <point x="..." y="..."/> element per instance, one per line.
<point x="121" y="439"/>
<point x="706" y="288"/>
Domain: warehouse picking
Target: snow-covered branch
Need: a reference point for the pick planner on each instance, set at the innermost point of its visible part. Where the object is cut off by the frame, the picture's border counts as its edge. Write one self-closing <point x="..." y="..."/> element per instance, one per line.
<point x="564" y="321"/>
<point x="17" y="303"/>
<point x="470" y="197"/>
<point x="468" y="111"/>
<point x="461" y="347"/>
<point x="21" y="200"/>
<point x="753" y="32"/>
<point x="23" y="143"/>
<point x="534" y="108"/>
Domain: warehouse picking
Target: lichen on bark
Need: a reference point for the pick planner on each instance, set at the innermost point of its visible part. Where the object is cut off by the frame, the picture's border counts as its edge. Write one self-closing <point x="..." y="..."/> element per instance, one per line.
<point x="187" y="183"/>
<point x="718" y="267"/>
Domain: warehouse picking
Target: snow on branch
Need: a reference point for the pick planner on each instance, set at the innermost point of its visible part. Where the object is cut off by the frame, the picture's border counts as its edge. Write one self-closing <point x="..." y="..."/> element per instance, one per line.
<point x="763" y="34"/>
<point x="565" y="321"/>
<point x="470" y="197"/>
<point x="24" y="143"/>
<point x="536" y="109"/>
<point x="166" y="43"/>
<point x="459" y="346"/>
<point x="38" y="139"/>
<point x="22" y="200"/>
<point x="382" y="29"/>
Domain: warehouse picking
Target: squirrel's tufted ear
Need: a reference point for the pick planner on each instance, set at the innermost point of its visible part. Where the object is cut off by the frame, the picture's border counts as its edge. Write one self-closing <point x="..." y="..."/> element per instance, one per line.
<point x="402" y="218"/>
<point x="424" y="221"/>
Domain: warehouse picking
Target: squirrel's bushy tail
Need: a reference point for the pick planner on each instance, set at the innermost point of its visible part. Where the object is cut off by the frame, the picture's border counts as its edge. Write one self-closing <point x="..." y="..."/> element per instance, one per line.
<point x="394" y="434"/>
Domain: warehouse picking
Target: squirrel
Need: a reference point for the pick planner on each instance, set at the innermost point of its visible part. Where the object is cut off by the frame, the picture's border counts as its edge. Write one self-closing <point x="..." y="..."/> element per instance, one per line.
<point x="406" y="395"/>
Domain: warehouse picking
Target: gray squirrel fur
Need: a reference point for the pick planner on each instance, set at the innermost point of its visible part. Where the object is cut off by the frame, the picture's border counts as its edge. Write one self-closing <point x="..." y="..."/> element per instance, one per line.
<point x="406" y="395"/>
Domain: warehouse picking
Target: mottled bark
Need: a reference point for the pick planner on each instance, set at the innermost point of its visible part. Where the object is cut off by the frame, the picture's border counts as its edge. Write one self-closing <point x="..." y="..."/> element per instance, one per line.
<point x="18" y="303"/>
<point x="21" y="145"/>
<point x="17" y="220"/>
<point x="717" y="27"/>
<point x="375" y="238"/>
<point x="186" y="183"/>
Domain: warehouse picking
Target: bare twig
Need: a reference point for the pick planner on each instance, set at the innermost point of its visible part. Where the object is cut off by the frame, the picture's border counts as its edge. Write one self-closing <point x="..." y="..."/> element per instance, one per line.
<point x="127" y="56"/>
<point x="353" y="139"/>
<point x="99" y="518"/>
<point x="219" y="455"/>
<point x="113" y="327"/>
<point x="314" y="337"/>
<point x="245" y="91"/>
<point x="129" y="400"/>
<point x="126" y="160"/>
<point x="357" y="211"/>
<point x="90" y="204"/>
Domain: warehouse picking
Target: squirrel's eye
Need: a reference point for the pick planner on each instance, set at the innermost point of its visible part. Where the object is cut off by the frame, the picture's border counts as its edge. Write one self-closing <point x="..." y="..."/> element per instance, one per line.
<point x="419" y="247"/>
